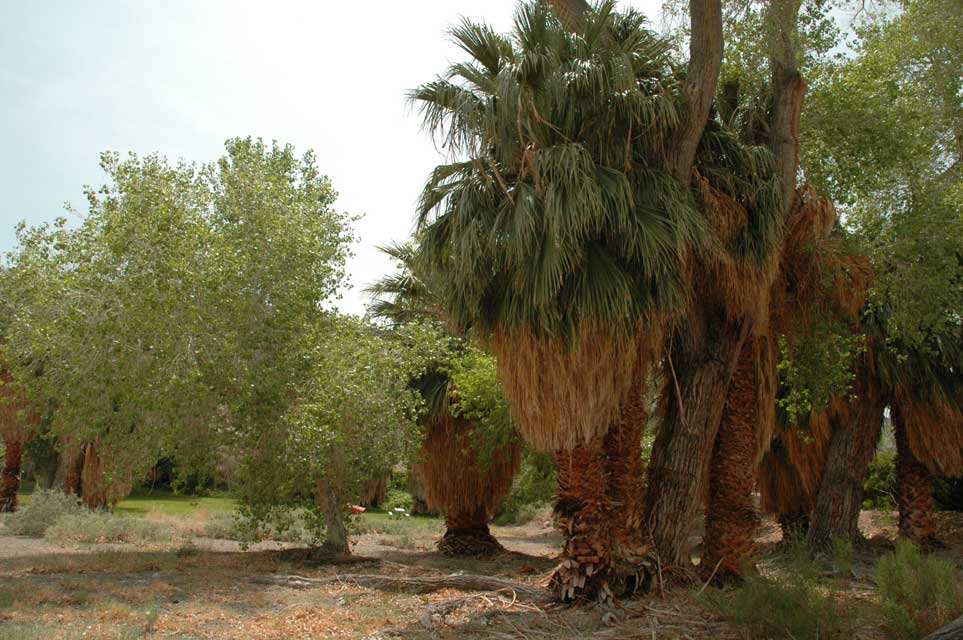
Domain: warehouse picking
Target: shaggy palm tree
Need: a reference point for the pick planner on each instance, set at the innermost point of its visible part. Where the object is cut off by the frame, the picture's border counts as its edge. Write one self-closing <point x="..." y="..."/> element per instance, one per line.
<point x="561" y="239"/>
<point x="466" y="484"/>
<point x="568" y="239"/>
<point x="816" y="278"/>
<point x="924" y="389"/>
<point x="18" y="425"/>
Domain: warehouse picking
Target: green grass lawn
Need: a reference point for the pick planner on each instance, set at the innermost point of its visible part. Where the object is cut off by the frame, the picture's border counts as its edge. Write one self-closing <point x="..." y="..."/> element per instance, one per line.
<point x="143" y="501"/>
<point x="163" y="501"/>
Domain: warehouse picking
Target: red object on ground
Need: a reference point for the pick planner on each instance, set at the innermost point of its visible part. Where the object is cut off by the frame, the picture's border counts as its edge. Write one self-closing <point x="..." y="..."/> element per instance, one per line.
<point x="356" y="509"/>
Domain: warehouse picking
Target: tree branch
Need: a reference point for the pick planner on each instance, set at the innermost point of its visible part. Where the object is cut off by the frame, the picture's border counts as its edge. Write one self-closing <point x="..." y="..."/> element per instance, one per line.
<point x="705" y="59"/>
<point x="788" y="88"/>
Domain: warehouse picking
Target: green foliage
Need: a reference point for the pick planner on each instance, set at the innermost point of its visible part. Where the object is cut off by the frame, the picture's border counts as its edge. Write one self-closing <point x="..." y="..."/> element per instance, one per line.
<point x="477" y="397"/>
<point x="880" y="484"/>
<point x="794" y="607"/>
<point x="398" y="499"/>
<point x="895" y="107"/>
<point x="814" y="368"/>
<point x="534" y="488"/>
<point x="99" y="526"/>
<point x="556" y="213"/>
<point x="43" y="510"/>
<point x="919" y="593"/>
<point x="353" y="420"/>
<point x="171" y="321"/>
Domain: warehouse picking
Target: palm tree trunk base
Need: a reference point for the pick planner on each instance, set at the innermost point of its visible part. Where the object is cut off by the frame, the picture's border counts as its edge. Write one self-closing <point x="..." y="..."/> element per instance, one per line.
<point x="472" y="542"/>
<point x="914" y="493"/>
<point x="584" y="515"/>
<point x="731" y="517"/>
<point x="10" y="483"/>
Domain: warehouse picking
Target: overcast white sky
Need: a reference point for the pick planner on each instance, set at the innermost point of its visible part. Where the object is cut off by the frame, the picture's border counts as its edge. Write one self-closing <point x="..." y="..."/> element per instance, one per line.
<point x="181" y="76"/>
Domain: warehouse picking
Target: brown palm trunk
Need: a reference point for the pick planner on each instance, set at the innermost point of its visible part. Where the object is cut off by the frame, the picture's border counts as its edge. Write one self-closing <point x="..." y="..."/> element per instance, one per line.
<point x="914" y="492"/>
<point x="626" y="487"/>
<point x="11" y="477"/>
<point x="731" y="517"/>
<point x="700" y="366"/>
<point x="467" y="534"/>
<point x="836" y="514"/>
<point x="583" y="513"/>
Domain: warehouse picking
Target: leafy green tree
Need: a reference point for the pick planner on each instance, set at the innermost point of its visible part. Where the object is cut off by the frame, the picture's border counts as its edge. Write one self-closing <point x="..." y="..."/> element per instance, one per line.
<point x="170" y="321"/>
<point x="354" y="418"/>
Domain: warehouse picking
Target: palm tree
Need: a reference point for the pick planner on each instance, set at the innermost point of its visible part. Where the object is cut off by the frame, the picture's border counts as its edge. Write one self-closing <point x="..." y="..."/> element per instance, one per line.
<point x="924" y="388"/>
<point x="464" y="487"/>
<point x="18" y="425"/>
<point x="563" y="239"/>
<point x="465" y="471"/>
<point x="817" y="278"/>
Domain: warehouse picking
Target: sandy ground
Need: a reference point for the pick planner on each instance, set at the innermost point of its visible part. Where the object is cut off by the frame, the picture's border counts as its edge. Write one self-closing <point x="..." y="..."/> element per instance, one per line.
<point x="213" y="589"/>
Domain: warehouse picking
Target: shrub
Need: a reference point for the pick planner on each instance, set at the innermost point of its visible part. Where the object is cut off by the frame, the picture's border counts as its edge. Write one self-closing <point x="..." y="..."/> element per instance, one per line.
<point x="224" y="526"/>
<point x="100" y="526"/>
<point x="794" y="608"/>
<point x="919" y="592"/>
<point x="534" y="488"/>
<point x="44" y="509"/>
<point x="398" y="498"/>
<point x="879" y="487"/>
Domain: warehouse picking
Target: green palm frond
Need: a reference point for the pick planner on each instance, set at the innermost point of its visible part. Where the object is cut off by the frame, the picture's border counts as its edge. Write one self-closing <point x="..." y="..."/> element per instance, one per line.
<point x="559" y="209"/>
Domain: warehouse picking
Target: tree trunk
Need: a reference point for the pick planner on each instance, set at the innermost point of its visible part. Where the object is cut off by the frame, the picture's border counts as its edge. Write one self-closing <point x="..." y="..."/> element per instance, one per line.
<point x="731" y="518"/>
<point x="914" y="491"/>
<point x="951" y="631"/>
<point x="467" y="534"/>
<point x="73" y="471"/>
<point x="788" y="88"/>
<point x="700" y="363"/>
<point x="702" y="78"/>
<point x="836" y="514"/>
<point x="11" y="477"/>
<point x="336" y="534"/>
<point x="626" y="487"/>
<point x="583" y="513"/>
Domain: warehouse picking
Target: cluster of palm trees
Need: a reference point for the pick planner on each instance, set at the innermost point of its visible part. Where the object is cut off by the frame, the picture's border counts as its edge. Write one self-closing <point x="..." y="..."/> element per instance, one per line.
<point x="604" y="228"/>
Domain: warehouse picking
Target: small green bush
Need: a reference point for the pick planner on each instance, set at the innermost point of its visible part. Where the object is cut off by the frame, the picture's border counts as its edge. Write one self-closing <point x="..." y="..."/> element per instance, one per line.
<point x="224" y="526"/>
<point x="533" y="489"/>
<point x="879" y="487"/>
<point x="44" y="509"/>
<point x="398" y="498"/>
<point x="100" y="526"/>
<point x="919" y="592"/>
<point x="794" y="608"/>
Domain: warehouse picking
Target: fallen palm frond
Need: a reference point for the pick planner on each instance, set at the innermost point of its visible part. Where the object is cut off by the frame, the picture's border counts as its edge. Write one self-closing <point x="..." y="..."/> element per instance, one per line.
<point x="414" y="584"/>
